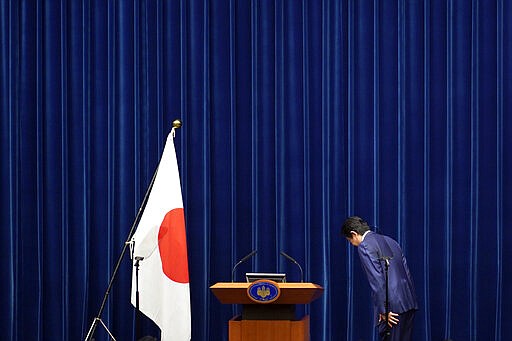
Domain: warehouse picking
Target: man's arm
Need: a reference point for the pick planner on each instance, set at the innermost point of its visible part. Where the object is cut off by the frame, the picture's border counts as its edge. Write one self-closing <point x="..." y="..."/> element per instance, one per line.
<point x="375" y="274"/>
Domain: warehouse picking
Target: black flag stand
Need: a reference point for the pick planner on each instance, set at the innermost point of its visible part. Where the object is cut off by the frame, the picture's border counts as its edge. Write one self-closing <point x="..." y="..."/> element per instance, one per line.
<point x="176" y="124"/>
<point x="118" y="263"/>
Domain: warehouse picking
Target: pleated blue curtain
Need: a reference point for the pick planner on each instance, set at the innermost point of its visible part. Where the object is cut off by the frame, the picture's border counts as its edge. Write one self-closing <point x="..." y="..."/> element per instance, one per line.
<point x="296" y="114"/>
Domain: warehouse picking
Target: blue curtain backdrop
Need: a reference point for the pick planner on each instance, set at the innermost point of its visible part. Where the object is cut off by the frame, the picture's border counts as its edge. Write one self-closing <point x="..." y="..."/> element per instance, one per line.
<point x="296" y="114"/>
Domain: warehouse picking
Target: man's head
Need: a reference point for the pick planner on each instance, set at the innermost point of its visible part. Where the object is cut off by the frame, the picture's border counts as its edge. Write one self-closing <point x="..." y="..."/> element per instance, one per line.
<point x="353" y="229"/>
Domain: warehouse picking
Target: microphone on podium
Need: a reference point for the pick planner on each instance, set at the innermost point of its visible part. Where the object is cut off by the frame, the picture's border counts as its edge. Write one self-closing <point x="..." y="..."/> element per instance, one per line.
<point x="240" y="262"/>
<point x="290" y="258"/>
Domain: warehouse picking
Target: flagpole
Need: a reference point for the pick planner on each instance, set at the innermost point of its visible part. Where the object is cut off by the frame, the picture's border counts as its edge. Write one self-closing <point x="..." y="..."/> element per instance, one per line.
<point x="176" y="124"/>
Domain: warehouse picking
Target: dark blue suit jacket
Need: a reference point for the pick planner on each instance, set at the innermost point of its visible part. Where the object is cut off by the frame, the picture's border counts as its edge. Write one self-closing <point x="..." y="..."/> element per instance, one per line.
<point x="402" y="296"/>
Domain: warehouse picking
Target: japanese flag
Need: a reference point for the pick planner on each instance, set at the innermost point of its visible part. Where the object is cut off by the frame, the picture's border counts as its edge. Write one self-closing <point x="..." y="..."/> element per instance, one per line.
<point x="160" y="239"/>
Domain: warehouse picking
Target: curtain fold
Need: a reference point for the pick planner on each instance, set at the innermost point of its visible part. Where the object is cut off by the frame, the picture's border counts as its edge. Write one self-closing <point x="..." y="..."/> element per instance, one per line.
<point x="296" y="114"/>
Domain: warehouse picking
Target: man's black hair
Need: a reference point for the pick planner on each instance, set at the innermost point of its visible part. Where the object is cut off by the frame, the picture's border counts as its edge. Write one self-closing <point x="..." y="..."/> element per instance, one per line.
<point x="355" y="224"/>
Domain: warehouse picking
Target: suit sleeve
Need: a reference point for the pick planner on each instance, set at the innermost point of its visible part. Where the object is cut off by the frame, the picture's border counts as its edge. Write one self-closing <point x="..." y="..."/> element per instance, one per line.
<point x="375" y="274"/>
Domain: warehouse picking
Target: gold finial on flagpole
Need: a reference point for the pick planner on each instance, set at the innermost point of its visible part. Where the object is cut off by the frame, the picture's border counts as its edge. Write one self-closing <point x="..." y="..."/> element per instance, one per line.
<point x="176" y="123"/>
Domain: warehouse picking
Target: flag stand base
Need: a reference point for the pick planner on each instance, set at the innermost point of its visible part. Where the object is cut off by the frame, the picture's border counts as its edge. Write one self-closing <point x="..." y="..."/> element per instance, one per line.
<point x="93" y="328"/>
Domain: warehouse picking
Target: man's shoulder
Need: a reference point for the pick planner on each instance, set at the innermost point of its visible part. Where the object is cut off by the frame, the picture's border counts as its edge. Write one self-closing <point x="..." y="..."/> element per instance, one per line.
<point x="375" y="238"/>
<point x="371" y="238"/>
<point x="390" y="240"/>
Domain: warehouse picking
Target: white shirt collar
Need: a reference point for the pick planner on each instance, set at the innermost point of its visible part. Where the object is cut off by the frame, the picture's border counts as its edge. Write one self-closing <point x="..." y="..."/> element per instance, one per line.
<point x="364" y="235"/>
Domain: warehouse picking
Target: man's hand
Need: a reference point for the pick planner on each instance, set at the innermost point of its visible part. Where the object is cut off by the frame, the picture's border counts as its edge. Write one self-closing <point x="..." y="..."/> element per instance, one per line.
<point x="392" y="318"/>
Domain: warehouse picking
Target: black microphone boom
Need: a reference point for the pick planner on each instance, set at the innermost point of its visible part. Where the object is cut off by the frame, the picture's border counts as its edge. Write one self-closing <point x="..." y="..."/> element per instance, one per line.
<point x="290" y="258"/>
<point x="240" y="262"/>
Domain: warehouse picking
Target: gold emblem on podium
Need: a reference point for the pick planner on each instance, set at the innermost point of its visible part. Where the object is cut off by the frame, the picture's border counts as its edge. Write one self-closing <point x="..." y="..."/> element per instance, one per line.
<point x="263" y="291"/>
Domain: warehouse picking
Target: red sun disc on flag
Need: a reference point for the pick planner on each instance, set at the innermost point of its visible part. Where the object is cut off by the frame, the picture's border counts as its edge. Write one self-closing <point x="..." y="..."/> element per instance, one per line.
<point x="172" y="243"/>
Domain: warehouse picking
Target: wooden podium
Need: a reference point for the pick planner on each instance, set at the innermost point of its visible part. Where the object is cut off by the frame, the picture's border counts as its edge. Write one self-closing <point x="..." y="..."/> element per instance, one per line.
<point x="270" y="321"/>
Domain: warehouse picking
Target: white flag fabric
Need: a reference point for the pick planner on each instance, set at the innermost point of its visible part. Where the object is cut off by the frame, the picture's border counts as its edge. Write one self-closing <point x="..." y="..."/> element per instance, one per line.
<point x="164" y="291"/>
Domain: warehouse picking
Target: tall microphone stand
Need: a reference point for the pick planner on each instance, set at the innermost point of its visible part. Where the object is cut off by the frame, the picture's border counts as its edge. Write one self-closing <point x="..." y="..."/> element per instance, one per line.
<point x="137" y="306"/>
<point x="387" y="334"/>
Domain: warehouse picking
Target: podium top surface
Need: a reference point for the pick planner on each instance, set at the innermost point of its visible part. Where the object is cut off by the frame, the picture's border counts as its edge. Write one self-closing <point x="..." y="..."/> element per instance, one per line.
<point x="291" y="293"/>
